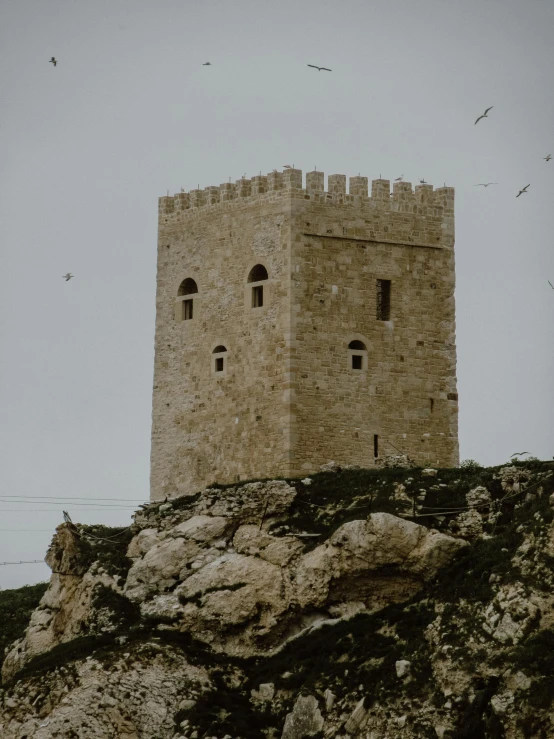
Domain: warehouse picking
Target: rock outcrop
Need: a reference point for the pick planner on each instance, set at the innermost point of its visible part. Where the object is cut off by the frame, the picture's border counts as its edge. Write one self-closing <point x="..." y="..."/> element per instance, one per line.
<point x="300" y="609"/>
<point x="233" y="584"/>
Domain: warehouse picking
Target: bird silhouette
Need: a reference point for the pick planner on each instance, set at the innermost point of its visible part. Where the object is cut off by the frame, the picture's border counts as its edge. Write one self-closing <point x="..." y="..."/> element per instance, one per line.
<point x="399" y="179"/>
<point x="287" y="166"/>
<point x="518" y="454"/>
<point x="319" y="69"/>
<point x="67" y="517"/>
<point x="484" y="115"/>
<point x="422" y="182"/>
<point x="207" y="64"/>
<point x="522" y="191"/>
<point x="53" y="61"/>
<point x="68" y="276"/>
<point x="485" y="184"/>
<point x="547" y="158"/>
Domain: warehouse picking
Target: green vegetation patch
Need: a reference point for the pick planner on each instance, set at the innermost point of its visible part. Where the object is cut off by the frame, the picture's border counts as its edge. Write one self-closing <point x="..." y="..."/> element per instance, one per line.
<point x="123" y="612"/>
<point x="16" y="607"/>
<point x="108" y="546"/>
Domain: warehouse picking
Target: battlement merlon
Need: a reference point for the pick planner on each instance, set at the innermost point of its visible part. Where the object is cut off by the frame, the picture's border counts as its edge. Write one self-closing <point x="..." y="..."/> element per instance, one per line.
<point x="421" y="201"/>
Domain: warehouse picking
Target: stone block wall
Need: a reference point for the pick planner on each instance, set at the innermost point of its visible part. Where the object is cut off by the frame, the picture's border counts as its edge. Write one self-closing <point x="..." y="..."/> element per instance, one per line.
<point x="288" y="399"/>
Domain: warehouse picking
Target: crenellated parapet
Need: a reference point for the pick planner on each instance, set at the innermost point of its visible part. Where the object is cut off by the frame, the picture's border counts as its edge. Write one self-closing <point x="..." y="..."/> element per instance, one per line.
<point x="423" y="200"/>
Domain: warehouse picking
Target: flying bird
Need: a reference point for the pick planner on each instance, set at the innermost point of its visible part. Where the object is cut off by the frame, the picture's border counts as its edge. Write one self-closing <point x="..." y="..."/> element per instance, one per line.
<point x="484" y="115"/>
<point x="207" y="64"/>
<point x="521" y="191"/>
<point x="485" y="184"/>
<point x="399" y="179"/>
<point x="287" y="166"/>
<point x="547" y="158"/>
<point x="422" y="182"/>
<point x="518" y="454"/>
<point x="53" y="61"/>
<point x="68" y="276"/>
<point x="325" y="69"/>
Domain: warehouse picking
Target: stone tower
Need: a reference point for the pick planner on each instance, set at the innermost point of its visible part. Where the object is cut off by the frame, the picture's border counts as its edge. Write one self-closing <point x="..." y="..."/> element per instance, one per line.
<point x="297" y="325"/>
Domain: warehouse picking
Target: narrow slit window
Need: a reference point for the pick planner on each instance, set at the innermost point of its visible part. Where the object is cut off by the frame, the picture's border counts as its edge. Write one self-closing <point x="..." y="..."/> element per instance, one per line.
<point x="219" y="364"/>
<point x="375" y="446"/>
<point x="383" y="300"/>
<point x="257" y="296"/>
<point x="187" y="309"/>
<point x="357" y="361"/>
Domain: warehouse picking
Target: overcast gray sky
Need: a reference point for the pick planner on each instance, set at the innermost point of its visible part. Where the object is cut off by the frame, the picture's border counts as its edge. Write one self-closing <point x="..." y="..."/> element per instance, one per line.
<point x="87" y="147"/>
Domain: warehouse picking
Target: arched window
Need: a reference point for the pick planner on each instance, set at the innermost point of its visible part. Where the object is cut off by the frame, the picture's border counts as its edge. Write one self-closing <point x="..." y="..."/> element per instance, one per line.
<point x="219" y="358"/>
<point x="257" y="274"/>
<point x="185" y="301"/>
<point x="188" y="287"/>
<point x="357" y="355"/>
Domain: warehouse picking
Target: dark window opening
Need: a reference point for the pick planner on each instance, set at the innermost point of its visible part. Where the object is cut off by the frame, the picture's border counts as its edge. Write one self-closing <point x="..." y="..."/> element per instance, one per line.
<point x="258" y="273"/>
<point x="431" y="404"/>
<point x="452" y="396"/>
<point x="219" y="364"/>
<point x="357" y="360"/>
<point x="383" y="300"/>
<point x="375" y="446"/>
<point x="188" y="287"/>
<point x="187" y="310"/>
<point x="357" y="345"/>
<point x="219" y="349"/>
<point x="257" y="296"/>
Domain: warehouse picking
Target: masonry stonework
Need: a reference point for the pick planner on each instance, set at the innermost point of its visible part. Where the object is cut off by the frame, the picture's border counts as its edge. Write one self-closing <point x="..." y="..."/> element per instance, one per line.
<point x="286" y="395"/>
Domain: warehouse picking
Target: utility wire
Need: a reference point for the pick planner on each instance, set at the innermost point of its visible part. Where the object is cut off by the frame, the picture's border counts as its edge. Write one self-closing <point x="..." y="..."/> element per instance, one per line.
<point x="60" y="497"/>
<point x="53" y="510"/>
<point x="47" y="502"/>
<point x="27" y="562"/>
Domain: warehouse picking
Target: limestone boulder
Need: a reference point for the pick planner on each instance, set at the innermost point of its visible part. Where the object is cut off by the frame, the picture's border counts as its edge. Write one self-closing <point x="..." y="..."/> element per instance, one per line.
<point x="201" y="528"/>
<point x="249" y="539"/>
<point x="63" y="614"/>
<point x="342" y="567"/>
<point x="159" y="568"/>
<point x="232" y="590"/>
<point x="305" y="719"/>
<point x="142" y="542"/>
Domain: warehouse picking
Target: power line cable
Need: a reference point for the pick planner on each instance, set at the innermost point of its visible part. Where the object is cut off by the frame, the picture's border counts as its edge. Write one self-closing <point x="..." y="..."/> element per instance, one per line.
<point x="46" y="502"/>
<point x="23" y="562"/>
<point x="53" y="510"/>
<point x="60" y="497"/>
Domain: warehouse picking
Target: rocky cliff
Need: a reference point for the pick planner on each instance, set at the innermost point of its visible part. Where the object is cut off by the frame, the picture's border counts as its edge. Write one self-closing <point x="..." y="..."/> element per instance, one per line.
<point x="355" y="603"/>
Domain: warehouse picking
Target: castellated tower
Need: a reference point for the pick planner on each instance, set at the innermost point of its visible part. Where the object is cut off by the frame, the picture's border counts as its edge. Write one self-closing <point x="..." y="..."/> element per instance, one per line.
<point x="297" y="325"/>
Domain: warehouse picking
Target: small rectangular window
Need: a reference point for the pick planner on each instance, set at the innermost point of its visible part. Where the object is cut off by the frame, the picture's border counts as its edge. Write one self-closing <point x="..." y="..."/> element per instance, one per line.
<point x="357" y="360"/>
<point x="375" y="446"/>
<point x="383" y="300"/>
<point x="187" y="310"/>
<point x="219" y="364"/>
<point x="257" y="296"/>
